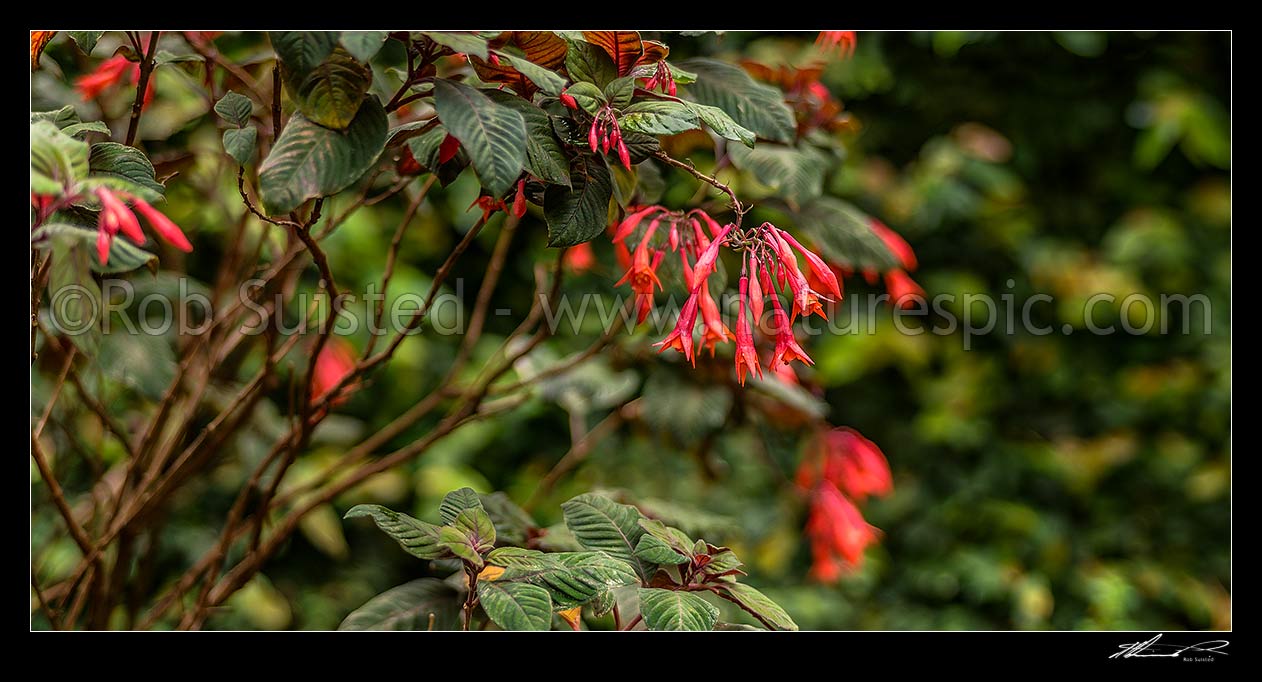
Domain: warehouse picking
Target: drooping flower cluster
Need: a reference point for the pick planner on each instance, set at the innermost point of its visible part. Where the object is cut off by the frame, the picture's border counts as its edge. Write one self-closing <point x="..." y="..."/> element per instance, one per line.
<point x="769" y="261"/>
<point x="605" y="135"/>
<point x="841" y="468"/>
<point x="903" y="290"/>
<point x="108" y="74"/>
<point x="662" y="79"/>
<point x="117" y="217"/>
<point x="490" y="204"/>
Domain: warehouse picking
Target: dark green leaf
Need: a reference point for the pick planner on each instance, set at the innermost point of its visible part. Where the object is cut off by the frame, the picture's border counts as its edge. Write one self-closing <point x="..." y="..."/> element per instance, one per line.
<point x="311" y="161"/>
<point x="718" y="121"/>
<point x="364" y="45"/>
<point x="546" y="79"/>
<point x="494" y="136"/>
<point x="457" y="501"/>
<point x="125" y="256"/>
<point x="425" y="147"/>
<point x="460" y="543"/>
<point x="599" y="523"/>
<point x="235" y="108"/>
<point x="465" y="43"/>
<point x="477" y="526"/>
<point x="408" y="607"/>
<point x="662" y="544"/>
<point x="76" y="129"/>
<point x="587" y="62"/>
<point x="86" y="40"/>
<point x="56" y="156"/>
<point x="331" y="93"/>
<point x="517" y="557"/>
<point x="512" y="524"/>
<point x="675" y="610"/>
<point x="795" y="174"/>
<point x="516" y="605"/>
<point x="589" y="97"/>
<point x="619" y="91"/>
<point x="60" y="118"/>
<point x="545" y="159"/>
<point x="758" y="604"/>
<point x="129" y="163"/>
<point x="658" y="117"/>
<point x="239" y="143"/>
<point x="579" y="213"/>
<point x="756" y="106"/>
<point x="844" y="235"/>
<point x="420" y="539"/>
<point x="302" y="51"/>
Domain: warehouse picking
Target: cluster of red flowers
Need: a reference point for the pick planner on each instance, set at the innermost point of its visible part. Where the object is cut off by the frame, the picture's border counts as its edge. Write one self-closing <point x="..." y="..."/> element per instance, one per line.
<point x="108" y="74"/>
<point x="662" y="79"/>
<point x="116" y="217"/>
<point x="604" y="133"/>
<point x="768" y="255"/>
<point x="841" y="468"/>
<point x="490" y="205"/>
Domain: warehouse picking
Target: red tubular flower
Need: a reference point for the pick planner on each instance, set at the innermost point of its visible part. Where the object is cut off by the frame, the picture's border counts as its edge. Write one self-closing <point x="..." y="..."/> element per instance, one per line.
<point x="756" y="297"/>
<point x="805" y="301"/>
<point x="632" y="221"/>
<point x="903" y="289"/>
<point x="837" y="531"/>
<point x="746" y="355"/>
<point x="784" y="372"/>
<point x="641" y="274"/>
<point x="519" y="202"/>
<point x="107" y="74"/>
<point x="568" y="100"/>
<point x="103" y="240"/>
<point x="115" y="217"/>
<point x="166" y="229"/>
<point x="579" y="259"/>
<point x="843" y="42"/>
<point x="336" y="360"/>
<point x="855" y="464"/>
<point x="705" y="264"/>
<point x="713" y="331"/>
<point x="895" y="243"/>
<point x="681" y="338"/>
<point x="787" y="348"/>
<point x="818" y="270"/>
<point x="713" y="224"/>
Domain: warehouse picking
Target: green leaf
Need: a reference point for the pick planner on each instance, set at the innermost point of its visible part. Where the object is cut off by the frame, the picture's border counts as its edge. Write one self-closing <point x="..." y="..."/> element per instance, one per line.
<point x="516" y="605"/>
<point x="758" y="604"/>
<point x="164" y="57"/>
<point x="86" y="40"/>
<point x="426" y="145"/>
<point x="57" y="156"/>
<point x="756" y="106"/>
<point x="587" y="96"/>
<point x="658" y="117"/>
<point x="844" y="235"/>
<point x="796" y="175"/>
<point x="457" y="501"/>
<point x="512" y="524"/>
<point x="418" y="538"/>
<point x="311" y="161"/>
<point x="235" y="108"/>
<point x="460" y="543"/>
<point x="239" y="143"/>
<point x="579" y="213"/>
<point x="718" y="121"/>
<point x="517" y="557"/>
<point x="331" y="93"/>
<point x="619" y="91"/>
<point x="60" y="118"/>
<point x="465" y="43"/>
<point x="302" y="51"/>
<point x="407" y="131"/>
<point x="675" y="610"/>
<point x="548" y="81"/>
<point x="125" y="256"/>
<point x="408" y="607"/>
<point x="477" y="526"/>
<point x="129" y="163"/>
<point x="494" y="136"/>
<point x="76" y="129"/>
<point x="662" y="544"/>
<point x="599" y="523"/>
<point x="545" y="159"/>
<point x="589" y="63"/>
<point x="364" y="45"/>
<point x="572" y="578"/>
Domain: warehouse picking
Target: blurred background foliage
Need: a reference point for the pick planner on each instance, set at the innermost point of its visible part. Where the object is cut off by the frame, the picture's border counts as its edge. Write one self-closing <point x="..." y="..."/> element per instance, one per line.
<point x="1060" y="481"/>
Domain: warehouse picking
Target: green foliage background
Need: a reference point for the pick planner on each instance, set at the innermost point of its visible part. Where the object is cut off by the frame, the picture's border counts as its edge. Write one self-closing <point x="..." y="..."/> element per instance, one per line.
<point x="1062" y="481"/>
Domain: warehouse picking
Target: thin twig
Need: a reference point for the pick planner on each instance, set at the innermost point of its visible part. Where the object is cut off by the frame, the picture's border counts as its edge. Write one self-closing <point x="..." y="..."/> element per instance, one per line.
<point x="740" y="209"/>
<point x="146" y="69"/>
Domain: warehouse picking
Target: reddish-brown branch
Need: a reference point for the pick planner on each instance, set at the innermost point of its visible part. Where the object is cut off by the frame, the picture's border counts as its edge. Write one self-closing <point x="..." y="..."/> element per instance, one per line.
<point x="146" y="70"/>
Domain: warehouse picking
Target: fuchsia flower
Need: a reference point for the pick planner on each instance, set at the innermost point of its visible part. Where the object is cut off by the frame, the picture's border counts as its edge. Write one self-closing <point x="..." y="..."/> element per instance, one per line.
<point x="115" y="217"/>
<point x="837" y="532"/>
<point x="110" y="73"/>
<point x="903" y="289"/>
<point x="605" y="134"/>
<point x="681" y="338"/>
<point x="662" y="79"/>
<point x="895" y="243"/>
<point x="579" y="258"/>
<point x="746" y="354"/>
<point x="842" y="42"/>
<point x="713" y="331"/>
<point x="336" y="360"/>
<point x="787" y="348"/>
<point x="490" y="205"/>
